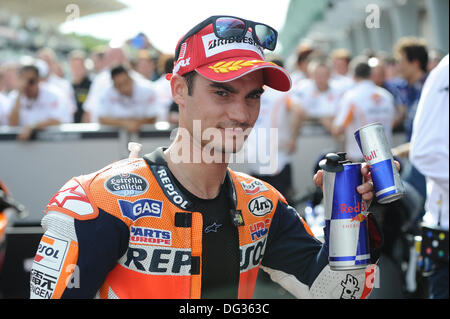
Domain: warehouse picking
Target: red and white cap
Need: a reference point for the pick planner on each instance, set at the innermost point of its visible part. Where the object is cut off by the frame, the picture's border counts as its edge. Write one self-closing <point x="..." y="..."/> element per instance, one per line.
<point x="223" y="60"/>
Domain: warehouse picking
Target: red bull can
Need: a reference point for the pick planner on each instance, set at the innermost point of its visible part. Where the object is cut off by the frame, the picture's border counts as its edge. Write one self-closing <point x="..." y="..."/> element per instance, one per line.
<point x="346" y="228"/>
<point x="377" y="153"/>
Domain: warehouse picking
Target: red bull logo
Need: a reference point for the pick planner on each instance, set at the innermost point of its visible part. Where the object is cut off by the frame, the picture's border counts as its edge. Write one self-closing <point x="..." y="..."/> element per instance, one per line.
<point x="348" y="209"/>
<point x="373" y="155"/>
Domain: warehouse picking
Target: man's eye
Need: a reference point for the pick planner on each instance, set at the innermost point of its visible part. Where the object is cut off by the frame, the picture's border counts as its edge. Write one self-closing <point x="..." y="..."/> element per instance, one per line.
<point x="221" y="93"/>
<point x="255" y="96"/>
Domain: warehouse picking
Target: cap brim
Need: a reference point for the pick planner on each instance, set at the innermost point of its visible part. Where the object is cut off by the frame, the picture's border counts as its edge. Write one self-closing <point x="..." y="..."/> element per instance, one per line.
<point x="233" y="68"/>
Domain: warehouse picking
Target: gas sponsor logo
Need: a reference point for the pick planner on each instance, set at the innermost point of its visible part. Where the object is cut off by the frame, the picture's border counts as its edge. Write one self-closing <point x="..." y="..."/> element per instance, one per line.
<point x="254" y="187"/>
<point x="126" y="184"/>
<point x="214" y="45"/>
<point x="260" y="206"/>
<point x="150" y="236"/>
<point x="51" y="252"/>
<point x="158" y="260"/>
<point x="259" y="229"/>
<point x="141" y="208"/>
<point x="252" y="254"/>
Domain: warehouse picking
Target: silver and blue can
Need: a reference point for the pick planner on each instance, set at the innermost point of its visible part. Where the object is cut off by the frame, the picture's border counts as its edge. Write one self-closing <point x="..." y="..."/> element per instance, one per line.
<point x="377" y="153"/>
<point x="346" y="228"/>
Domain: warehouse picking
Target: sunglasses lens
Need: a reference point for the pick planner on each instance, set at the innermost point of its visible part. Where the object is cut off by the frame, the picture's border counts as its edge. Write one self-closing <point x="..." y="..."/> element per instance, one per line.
<point x="266" y="36"/>
<point x="230" y="27"/>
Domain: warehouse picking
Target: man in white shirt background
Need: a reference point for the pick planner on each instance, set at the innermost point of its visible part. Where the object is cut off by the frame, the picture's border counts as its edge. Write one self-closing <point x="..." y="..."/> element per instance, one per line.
<point x="32" y="105"/>
<point x="429" y="153"/>
<point x="365" y="103"/>
<point x="317" y="96"/>
<point x="127" y="103"/>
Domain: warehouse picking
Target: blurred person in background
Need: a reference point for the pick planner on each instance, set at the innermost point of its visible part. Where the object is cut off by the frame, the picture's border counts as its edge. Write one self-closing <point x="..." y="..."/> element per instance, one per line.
<point x="277" y="111"/>
<point x="163" y="92"/>
<point x="33" y="106"/>
<point x="127" y="103"/>
<point x="59" y="83"/>
<point x="98" y="61"/>
<point x="113" y="57"/>
<point x="412" y="56"/>
<point x="9" y="76"/>
<point x="429" y="153"/>
<point x="365" y="103"/>
<point x="145" y="65"/>
<point x="80" y="82"/>
<point x="341" y="75"/>
<point x="317" y="96"/>
<point x="305" y="51"/>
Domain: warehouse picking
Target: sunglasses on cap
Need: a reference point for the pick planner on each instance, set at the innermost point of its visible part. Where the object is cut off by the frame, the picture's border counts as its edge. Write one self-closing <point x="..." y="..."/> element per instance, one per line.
<point x="226" y="27"/>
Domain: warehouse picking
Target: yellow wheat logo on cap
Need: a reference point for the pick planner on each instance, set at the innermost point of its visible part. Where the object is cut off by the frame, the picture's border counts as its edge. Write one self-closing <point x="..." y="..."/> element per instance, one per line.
<point x="222" y="67"/>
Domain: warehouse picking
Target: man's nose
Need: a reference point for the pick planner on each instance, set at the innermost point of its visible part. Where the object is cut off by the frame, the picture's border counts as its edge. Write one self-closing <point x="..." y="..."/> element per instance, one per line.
<point x="238" y="112"/>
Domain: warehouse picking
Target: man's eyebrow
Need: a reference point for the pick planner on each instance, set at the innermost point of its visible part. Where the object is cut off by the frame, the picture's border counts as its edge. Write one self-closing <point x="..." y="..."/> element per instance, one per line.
<point x="256" y="91"/>
<point x="223" y="86"/>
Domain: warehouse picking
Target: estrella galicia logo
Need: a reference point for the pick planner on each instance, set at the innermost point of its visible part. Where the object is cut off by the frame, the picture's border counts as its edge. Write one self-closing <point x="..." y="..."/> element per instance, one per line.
<point x="126" y="184"/>
<point x="141" y="208"/>
<point x="260" y="206"/>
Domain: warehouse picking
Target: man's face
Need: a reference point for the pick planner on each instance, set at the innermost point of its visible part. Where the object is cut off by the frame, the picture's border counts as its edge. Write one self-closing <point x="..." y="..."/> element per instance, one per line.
<point x="405" y="67"/>
<point x="31" y="83"/>
<point x="226" y="111"/>
<point x="123" y="84"/>
<point x="340" y="66"/>
<point x="321" y="77"/>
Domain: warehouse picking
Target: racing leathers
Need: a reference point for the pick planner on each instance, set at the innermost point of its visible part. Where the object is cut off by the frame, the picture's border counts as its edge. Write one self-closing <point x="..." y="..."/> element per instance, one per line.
<point x="128" y="231"/>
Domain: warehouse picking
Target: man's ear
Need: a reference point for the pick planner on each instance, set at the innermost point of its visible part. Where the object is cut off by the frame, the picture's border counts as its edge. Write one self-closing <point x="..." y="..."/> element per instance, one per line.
<point x="179" y="89"/>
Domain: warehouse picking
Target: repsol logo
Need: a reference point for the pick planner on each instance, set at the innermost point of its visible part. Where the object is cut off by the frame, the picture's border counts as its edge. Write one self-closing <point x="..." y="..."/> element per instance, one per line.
<point x="251" y="255"/>
<point x="170" y="190"/>
<point x="158" y="261"/>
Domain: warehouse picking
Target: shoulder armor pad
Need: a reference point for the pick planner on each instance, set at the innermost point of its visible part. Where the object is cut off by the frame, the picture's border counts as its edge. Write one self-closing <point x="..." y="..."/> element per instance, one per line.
<point x="74" y="199"/>
<point x="251" y="185"/>
<point x="77" y="198"/>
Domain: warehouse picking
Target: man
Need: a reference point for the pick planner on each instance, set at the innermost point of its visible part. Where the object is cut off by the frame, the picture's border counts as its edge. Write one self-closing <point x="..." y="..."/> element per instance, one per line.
<point x="364" y="104"/>
<point x="33" y="106"/>
<point x="127" y="103"/>
<point x="412" y="56"/>
<point x="174" y="225"/>
<point x="305" y="51"/>
<point x="102" y="81"/>
<point x="341" y="64"/>
<point x="317" y="96"/>
<point x="80" y="82"/>
<point x="429" y="154"/>
<point x="56" y="82"/>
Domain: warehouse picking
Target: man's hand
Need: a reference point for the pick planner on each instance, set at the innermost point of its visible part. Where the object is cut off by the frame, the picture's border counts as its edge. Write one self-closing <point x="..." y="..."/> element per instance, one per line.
<point x="366" y="189"/>
<point x="26" y="133"/>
